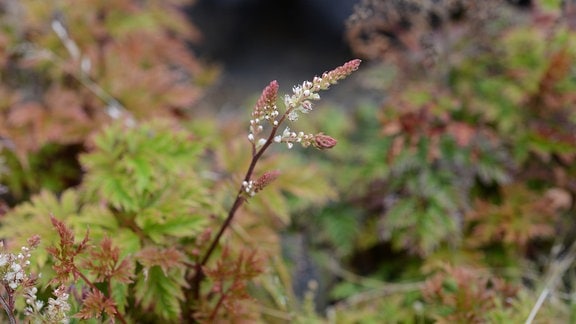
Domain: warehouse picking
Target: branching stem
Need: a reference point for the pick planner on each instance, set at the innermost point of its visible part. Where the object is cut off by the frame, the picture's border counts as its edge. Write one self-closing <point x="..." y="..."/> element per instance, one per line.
<point x="8" y="310"/>
<point x="240" y="199"/>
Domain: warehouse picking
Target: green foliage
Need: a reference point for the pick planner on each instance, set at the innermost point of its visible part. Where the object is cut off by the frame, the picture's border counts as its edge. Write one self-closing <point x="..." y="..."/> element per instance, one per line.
<point x="441" y="200"/>
<point x="50" y="168"/>
<point x="139" y="172"/>
<point x="132" y="195"/>
<point x="161" y="292"/>
<point x="148" y="205"/>
<point x="468" y="163"/>
<point x="69" y="69"/>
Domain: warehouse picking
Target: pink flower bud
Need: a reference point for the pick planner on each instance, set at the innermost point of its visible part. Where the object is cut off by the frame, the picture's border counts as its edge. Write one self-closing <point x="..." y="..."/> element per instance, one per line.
<point x="265" y="179"/>
<point x="267" y="102"/>
<point x="339" y="73"/>
<point x="322" y="141"/>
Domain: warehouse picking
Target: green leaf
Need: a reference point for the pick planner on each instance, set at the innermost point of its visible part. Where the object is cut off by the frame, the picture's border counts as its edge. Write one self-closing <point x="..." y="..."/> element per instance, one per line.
<point x="33" y="218"/>
<point x="163" y="294"/>
<point x="342" y="228"/>
<point x="157" y="229"/>
<point x="345" y="289"/>
<point x="401" y="215"/>
<point x="120" y="295"/>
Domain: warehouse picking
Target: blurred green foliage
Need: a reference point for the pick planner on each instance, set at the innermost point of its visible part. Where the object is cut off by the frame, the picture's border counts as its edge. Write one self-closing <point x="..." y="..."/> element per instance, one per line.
<point x="448" y="199"/>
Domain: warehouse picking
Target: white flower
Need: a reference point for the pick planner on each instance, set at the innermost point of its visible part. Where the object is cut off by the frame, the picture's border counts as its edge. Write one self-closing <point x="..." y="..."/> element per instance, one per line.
<point x="3" y="259"/>
<point x="16" y="267"/>
<point x="260" y="143"/>
<point x="293" y="115"/>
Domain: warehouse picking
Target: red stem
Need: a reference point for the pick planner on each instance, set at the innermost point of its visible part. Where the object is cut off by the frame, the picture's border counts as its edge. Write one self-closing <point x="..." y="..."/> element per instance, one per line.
<point x="240" y="199"/>
<point x="240" y="196"/>
<point x="217" y="306"/>
<point x="9" y="310"/>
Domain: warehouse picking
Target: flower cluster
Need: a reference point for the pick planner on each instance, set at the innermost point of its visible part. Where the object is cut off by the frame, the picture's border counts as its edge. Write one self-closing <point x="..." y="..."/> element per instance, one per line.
<point x="266" y="111"/>
<point x="15" y="278"/>
<point x="13" y="273"/>
<point x="299" y="101"/>
<point x="13" y="266"/>
<point x="57" y="310"/>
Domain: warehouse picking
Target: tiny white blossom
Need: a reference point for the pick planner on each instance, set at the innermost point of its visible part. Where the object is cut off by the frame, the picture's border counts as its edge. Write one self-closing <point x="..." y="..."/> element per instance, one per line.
<point x="3" y="259"/>
<point x="288" y="101"/>
<point x="16" y="267"/>
<point x="293" y="115"/>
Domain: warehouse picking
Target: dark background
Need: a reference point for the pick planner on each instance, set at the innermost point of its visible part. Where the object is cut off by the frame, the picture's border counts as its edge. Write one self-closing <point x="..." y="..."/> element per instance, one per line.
<point x="257" y="41"/>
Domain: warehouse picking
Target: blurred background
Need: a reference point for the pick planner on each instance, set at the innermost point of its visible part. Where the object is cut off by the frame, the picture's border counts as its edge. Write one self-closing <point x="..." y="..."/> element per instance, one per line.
<point x="256" y="42"/>
<point x="449" y="197"/>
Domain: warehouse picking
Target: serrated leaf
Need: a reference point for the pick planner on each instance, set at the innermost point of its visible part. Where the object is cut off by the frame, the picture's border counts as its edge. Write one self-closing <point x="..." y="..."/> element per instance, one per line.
<point x="160" y="293"/>
<point x="344" y="290"/>
<point x="33" y="218"/>
<point x="113" y="190"/>
<point x="342" y="229"/>
<point x="94" y="215"/>
<point x="401" y="215"/>
<point x="175" y="227"/>
<point x="120" y="295"/>
<point x="142" y="172"/>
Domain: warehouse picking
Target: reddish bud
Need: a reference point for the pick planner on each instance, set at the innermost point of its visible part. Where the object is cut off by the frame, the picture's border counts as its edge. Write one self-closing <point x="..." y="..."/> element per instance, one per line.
<point x="339" y="73"/>
<point x="34" y="241"/>
<point x="265" y="179"/>
<point x="322" y="141"/>
<point x="267" y="100"/>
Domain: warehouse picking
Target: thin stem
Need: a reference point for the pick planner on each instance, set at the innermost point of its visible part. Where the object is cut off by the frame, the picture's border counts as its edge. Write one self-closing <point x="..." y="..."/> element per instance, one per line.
<point x="556" y="270"/>
<point x="194" y="290"/>
<point x="538" y="305"/>
<point x="240" y="196"/>
<point x="218" y="304"/>
<point x="7" y="309"/>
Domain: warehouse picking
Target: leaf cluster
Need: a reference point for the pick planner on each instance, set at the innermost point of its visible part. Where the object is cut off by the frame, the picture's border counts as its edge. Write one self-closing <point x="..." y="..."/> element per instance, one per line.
<point x="467" y="163"/>
<point x="137" y="236"/>
<point x="66" y="70"/>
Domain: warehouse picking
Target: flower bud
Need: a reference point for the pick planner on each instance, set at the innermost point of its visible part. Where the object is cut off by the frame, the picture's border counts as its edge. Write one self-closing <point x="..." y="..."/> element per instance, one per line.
<point x="265" y="179"/>
<point x="322" y="141"/>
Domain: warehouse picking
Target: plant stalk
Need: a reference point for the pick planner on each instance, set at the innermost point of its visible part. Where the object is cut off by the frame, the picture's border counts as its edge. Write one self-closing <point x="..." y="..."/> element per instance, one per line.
<point x="194" y="290"/>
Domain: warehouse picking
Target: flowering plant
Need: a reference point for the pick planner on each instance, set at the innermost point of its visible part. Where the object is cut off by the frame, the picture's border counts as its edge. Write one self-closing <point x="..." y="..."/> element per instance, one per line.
<point x="16" y="280"/>
<point x="266" y="113"/>
<point x="155" y="250"/>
